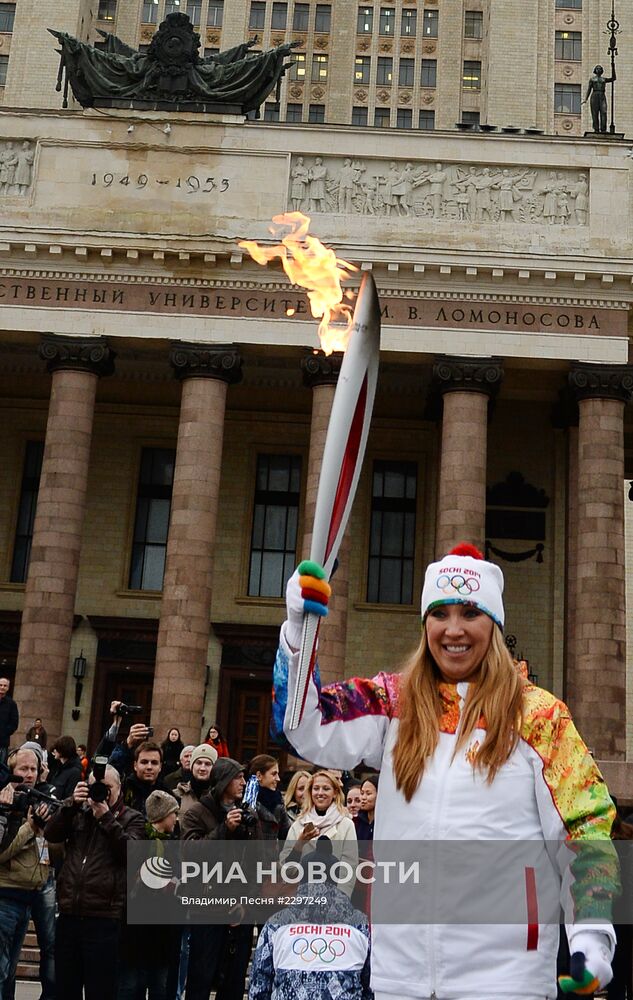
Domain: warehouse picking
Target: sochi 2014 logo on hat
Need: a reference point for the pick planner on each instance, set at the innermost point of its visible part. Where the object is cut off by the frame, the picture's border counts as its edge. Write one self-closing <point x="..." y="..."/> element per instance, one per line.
<point x="156" y="873"/>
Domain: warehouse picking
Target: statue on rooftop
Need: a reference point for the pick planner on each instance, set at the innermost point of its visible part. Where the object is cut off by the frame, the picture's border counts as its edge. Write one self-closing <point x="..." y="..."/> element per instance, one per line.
<point x="597" y="91"/>
<point x="170" y="71"/>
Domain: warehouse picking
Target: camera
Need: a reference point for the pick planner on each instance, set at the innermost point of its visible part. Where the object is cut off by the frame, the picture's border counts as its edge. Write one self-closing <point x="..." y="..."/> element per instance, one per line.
<point x="150" y="731"/>
<point x="125" y="710"/>
<point x="99" y="791"/>
<point x="248" y="821"/>
<point x="24" y="798"/>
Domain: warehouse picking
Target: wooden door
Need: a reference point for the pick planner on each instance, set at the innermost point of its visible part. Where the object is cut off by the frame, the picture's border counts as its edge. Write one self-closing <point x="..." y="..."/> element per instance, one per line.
<point x="250" y="720"/>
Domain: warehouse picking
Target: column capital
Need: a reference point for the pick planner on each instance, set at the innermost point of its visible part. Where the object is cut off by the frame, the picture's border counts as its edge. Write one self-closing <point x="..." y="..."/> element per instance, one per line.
<point x="465" y="374"/>
<point x="219" y="361"/>
<point x="321" y="369"/>
<point x="80" y="354"/>
<point x="591" y="381"/>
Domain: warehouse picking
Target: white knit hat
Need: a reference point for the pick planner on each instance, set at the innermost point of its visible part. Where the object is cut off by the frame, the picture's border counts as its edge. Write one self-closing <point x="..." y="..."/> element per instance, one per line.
<point x="464" y="577"/>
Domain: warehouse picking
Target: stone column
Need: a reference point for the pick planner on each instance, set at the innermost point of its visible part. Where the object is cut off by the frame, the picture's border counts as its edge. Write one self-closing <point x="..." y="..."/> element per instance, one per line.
<point x="320" y="373"/>
<point x="49" y="600"/>
<point x="596" y="684"/>
<point x="466" y="384"/>
<point x="183" y="634"/>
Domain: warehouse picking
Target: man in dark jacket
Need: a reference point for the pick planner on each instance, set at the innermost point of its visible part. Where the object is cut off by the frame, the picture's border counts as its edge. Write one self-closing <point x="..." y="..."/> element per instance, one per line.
<point x="182" y="773"/>
<point x="91" y="887"/>
<point x="9" y="718"/>
<point x="145" y="777"/>
<point x="218" y="949"/>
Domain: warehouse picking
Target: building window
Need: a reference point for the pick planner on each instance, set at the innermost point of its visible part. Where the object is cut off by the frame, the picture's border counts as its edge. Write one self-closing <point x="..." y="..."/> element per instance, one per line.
<point x="569" y="4"/>
<point x="151" y="525"/>
<point x="294" y="112"/>
<point x="427" y="121"/>
<point x="319" y="69"/>
<point x="215" y="13"/>
<point x="316" y="114"/>
<point x="280" y="17"/>
<point x="362" y="69"/>
<point x="384" y="75"/>
<point x="271" y="111"/>
<point x="406" y="73"/>
<point x="567" y="98"/>
<point x="149" y="14"/>
<point x="300" y="17"/>
<point x="470" y="117"/>
<point x="359" y="116"/>
<point x="275" y="521"/>
<point x="404" y="118"/>
<point x="471" y="77"/>
<point x="106" y="11"/>
<point x="387" y="20"/>
<point x="257" y="16"/>
<point x="430" y="23"/>
<point x="26" y="510"/>
<point x="7" y="16"/>
<point x="213" y="51"/>
<point x="568" y="45"/>
<point x="4" y="65"/>
<point x="298" y="70"/>
<point x="365" y="21"/>
<point x="194" y="10"/>
<point x="428" y="76"/>
<point x="473" y="24"/>
<point x="382" y="118"/>
<point x="392" y="535"/>
<point x="409" y="23"/>
<point x="323" y="17"/>
<point x="174" y="7"/>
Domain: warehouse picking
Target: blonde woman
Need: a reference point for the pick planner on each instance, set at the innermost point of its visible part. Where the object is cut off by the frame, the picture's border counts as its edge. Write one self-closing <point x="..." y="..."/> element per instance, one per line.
<point x="323" y="815"/>
<point x="468" y="750"/>
<point x="295" y="793"/>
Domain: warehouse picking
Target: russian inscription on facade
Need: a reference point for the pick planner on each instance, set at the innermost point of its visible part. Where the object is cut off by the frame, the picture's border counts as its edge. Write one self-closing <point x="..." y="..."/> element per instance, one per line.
<point x="445" y="191"/>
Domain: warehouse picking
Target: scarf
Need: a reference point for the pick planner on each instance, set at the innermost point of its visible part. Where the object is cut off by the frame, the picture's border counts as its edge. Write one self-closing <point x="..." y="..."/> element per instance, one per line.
<point x="323" y="823"/>
<point x="199" y="786"/>
<point x="270" y="799"/>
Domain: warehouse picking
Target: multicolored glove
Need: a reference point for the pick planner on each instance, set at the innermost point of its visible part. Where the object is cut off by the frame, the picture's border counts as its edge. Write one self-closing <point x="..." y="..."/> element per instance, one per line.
<point x="589" y="965"/>
<point x="307" y="591"/>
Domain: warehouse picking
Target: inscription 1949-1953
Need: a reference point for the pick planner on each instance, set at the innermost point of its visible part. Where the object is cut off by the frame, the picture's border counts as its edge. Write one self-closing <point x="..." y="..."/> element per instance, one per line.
<point x="192" y="184"/>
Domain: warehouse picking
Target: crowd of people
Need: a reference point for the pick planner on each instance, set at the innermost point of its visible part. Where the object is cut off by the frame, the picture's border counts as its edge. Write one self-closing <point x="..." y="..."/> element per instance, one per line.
<point x="467" y="750"/>
<point x="63" y="855"/>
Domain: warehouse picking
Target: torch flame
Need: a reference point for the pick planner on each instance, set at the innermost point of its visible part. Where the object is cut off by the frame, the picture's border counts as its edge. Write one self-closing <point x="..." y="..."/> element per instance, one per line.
<point x="315" y="267"/>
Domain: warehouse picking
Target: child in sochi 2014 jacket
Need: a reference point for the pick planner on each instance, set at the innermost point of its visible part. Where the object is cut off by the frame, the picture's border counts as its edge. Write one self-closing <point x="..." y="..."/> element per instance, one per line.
<point x="316" y="949"/>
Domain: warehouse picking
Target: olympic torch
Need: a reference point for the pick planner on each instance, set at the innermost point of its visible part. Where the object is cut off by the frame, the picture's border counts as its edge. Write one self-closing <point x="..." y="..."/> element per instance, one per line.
<point x="343" y="454"/>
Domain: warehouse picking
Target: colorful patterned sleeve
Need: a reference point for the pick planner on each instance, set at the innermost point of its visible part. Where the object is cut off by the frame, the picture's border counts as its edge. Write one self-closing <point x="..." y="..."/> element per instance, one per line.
<point x="343" y="723"/>
<point x="575" y="808"/>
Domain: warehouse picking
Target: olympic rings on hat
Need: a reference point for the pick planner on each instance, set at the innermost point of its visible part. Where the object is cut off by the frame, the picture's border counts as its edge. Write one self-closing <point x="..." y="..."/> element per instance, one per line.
<point x="464" y="586"/>
<point x="326" y="951"/>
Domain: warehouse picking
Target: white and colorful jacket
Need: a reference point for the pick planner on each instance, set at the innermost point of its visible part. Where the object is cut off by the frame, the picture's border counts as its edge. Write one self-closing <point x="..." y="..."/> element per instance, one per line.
<point x="550" y="790"/>
<point x="315" y="949"/>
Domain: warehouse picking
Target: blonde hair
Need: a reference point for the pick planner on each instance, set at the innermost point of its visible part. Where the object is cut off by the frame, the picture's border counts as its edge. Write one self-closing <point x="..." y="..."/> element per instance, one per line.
<point x="339" y="799"/>
<point x="496" y="694"/>
<point x="289" y="794"/>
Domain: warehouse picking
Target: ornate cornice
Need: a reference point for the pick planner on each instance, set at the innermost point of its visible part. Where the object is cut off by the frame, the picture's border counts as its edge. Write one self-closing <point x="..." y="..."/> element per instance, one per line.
<point x="588" y="381"/>
<point x="321" y="369"/>
<point x="222" y="361"/>
<point x="83" y="354"/>
<point x="458" y="374"/>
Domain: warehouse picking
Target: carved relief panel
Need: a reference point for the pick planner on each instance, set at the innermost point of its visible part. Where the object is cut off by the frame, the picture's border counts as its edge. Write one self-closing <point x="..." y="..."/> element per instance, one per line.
<point x="16" y="167"/>
<point x="455" y="192"/>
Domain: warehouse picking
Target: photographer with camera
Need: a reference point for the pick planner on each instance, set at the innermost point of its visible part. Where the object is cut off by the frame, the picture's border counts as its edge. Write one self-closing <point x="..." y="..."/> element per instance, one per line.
<point x="95" y="826"/>
<point x="24" y="866"/>
<point x="217" y="949"/>
<point x="121" y="754"/>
